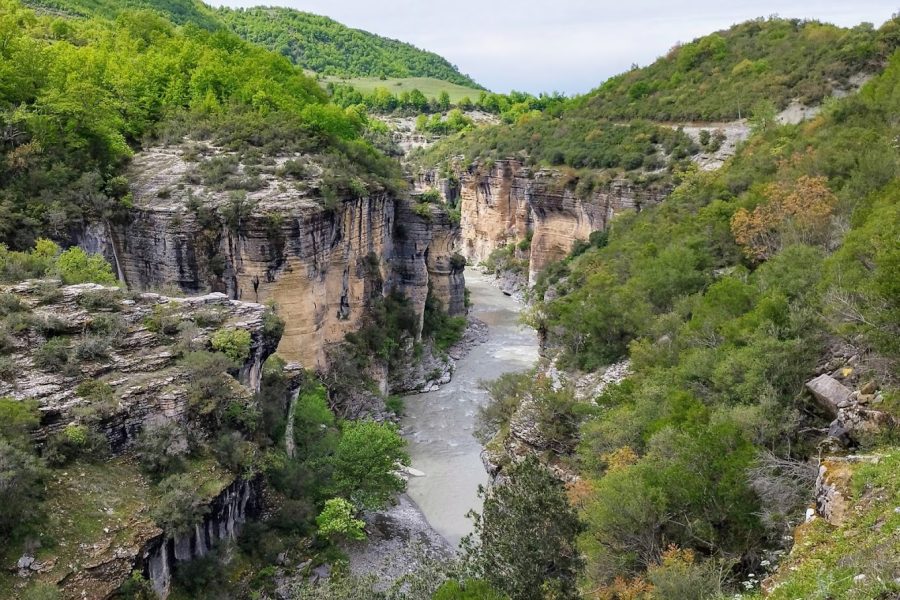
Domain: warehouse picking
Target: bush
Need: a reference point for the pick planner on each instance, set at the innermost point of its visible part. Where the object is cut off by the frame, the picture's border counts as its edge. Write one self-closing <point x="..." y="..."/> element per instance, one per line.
<point x="101" y="400"/>
<point x="233" y="343"/>
<point x="209" y="387"/>
<point x="100" y="300"/>
<point x="75" y="441"/>
<point x="21" y="486"/>
<point x="470" y="589"/>
<point x="273" y="325"/>
<point x="53" y="355"/>
<point x="91" y="348"/>
<point x="337" y="521"/>
<point x="77" y="266"/>
<point x="18" y="418"/>
<point x="161" y="449"/>
<point x="235" y="453"/>
<point x="180" y="506"/>
<point x="164" y="319"/>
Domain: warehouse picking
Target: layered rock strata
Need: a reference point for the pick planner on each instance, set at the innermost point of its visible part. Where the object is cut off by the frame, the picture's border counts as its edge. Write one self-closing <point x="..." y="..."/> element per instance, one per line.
<point x="322" y="265"/>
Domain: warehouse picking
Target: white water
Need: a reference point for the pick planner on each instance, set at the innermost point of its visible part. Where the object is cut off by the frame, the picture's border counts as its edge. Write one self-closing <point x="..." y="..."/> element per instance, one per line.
<point x="439" y="424"/>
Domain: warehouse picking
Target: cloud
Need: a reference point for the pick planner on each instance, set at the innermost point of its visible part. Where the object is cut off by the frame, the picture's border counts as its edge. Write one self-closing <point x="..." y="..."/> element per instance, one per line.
<point x="565" y="45"/>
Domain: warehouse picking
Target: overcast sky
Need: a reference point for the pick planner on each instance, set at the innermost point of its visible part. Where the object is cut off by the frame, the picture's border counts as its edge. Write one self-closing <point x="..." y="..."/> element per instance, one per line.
<point x="564" y="45"/>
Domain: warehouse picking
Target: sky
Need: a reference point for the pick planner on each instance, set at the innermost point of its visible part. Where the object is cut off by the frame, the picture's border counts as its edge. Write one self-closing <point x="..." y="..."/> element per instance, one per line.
<point x="569" y="46"/>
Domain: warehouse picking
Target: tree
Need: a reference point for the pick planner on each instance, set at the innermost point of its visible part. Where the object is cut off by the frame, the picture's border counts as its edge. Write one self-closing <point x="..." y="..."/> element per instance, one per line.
<point x="180" y="506"/>
<point x="77" y="266"/>
<point x="443" y="101"/>
<point x="337" y="521"/>
<point x="21" y="485"/>
<point x="365" y="462"/>
<point x="524" y="540"/>
<point x="161" y="449"/>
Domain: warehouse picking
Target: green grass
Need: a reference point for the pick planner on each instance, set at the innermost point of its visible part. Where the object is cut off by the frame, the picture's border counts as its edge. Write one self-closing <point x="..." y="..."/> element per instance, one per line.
<point x="429" y="86"/>
<point x="92" y="503"/>
<point x="826" y="559"/>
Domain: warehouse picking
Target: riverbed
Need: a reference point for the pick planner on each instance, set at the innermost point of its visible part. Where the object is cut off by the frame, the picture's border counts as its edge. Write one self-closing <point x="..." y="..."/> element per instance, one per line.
<point x="439" y="425"/>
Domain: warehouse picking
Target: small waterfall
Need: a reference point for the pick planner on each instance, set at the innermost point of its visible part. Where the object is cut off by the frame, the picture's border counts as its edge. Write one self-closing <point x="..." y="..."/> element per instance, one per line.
<point x="112" y="244"/>
<point x="289" y="444"/>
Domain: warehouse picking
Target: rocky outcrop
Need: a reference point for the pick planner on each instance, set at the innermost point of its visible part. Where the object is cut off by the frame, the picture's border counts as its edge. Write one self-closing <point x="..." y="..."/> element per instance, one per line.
<point x="523" y="436"/>
<point x="508" y="202"/>
<point x="108" y="336"/>
<point x="322" y="266"/>
<point x="228" y="511"/>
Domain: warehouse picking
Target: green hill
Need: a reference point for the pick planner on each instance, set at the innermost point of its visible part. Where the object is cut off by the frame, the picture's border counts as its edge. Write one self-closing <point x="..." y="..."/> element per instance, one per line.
<point x="716" y="76"/>
<point x="761" y="62"/>
<point x="179" y="11"/>
<point x="310" y="41"/>
<point x="325" y="46"/>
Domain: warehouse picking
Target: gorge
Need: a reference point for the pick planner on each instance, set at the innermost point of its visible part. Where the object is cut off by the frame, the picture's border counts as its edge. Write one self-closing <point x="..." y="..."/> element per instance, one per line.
<point x="291" y="311"/>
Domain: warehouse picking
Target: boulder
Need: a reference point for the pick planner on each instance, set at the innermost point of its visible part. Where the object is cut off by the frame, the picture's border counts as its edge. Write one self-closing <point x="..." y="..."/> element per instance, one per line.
<point x="829" y="392"/>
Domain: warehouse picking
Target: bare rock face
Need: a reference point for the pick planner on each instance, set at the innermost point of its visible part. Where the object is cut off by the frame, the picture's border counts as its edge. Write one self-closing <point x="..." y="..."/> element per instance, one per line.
<point x="322" y="266"/>
<point x="507" y="202"/>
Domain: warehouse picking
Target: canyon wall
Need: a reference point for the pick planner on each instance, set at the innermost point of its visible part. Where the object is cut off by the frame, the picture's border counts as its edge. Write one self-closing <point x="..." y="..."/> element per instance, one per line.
<point x="509" y="201"/>
<point x="323" y="267"/>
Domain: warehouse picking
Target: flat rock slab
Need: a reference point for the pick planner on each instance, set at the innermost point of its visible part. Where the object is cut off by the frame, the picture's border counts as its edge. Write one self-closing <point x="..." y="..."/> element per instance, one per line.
<point x="829" y="392"/>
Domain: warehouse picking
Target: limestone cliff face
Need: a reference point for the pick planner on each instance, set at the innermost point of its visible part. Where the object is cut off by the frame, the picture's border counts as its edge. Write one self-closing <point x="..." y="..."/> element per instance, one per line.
<point x="509" y="201"/>
<point x="321" y="266"/>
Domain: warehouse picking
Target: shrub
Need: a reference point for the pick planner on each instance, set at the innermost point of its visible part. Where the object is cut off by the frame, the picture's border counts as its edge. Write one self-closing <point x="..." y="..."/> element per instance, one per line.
<point x="91" y="348"/>
<point x="101" y="400"/>
<point x="273" y="325"/>
<point x="470" y="589"/>
<point x="72" y="442"/>
<point x="100" y="300"/>
<point x="337" y="521"/>
<point x="235" y="453"/>
<point x="160" y="449"/>
<point x="180" y="506"/>
<point x="164" y="319"/>
<point x="21" y="486"/>
<point x="18" y="418"/>
<point x="209" y="386"/>
<point x="77" y="266"/>
<point x="53" y="355"/>
<point x="10" y="303"/>
<point x="233" y="343"/>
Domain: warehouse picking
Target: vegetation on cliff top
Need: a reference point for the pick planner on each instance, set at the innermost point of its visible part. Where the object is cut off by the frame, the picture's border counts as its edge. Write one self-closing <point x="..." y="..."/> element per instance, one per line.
<point x="78" y="96"/>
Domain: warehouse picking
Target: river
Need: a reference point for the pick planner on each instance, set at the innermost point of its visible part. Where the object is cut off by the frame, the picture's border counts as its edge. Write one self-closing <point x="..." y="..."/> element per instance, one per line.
<point x="439" y="424"/>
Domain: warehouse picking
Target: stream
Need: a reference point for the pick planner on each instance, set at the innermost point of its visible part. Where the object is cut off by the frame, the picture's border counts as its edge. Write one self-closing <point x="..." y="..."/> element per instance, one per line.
<point x="439" y="424"/>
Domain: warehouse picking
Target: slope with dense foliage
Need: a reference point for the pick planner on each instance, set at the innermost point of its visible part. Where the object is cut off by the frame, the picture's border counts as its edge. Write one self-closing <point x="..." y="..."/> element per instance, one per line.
<point x="178" y="11"/>
<point x="325" y="46"/>
<point x="722" y="75"/>
<point x="726" y="298"/>
<point x="756" y="67"/>
<point x="78" y="96"/>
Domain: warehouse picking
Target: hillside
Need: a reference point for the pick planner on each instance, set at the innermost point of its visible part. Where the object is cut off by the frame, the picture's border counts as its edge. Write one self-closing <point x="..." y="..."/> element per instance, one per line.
<point x="179" y="11"/>
<point x="325" y="46"/>
<point x="724" y="74"/>
<point x="754" y="67"/>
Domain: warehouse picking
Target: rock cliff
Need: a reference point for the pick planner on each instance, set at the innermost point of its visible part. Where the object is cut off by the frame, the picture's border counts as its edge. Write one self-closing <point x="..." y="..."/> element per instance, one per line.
<point x="99" y="527"/>
<point x="508" y="202"/>
<point x="321" y="261"/>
